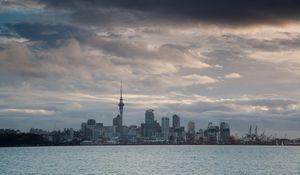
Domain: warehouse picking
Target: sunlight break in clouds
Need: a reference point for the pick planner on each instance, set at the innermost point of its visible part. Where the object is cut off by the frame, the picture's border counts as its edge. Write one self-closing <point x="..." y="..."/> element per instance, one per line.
<point x="233" y="75"/>
<point x="28" y="111"/>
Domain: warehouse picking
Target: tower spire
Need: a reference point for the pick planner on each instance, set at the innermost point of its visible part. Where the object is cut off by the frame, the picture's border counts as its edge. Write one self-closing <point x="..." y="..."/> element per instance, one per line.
<point x="121" y="105"/>
<point x="121" y="91"/>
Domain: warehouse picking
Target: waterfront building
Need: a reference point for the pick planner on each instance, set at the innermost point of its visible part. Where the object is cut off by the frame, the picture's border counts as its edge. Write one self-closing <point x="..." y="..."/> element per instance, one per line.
<point x="91" y="130"/>
<point x="224" y="133"/>
<point x="165" y="127"/>
<point x="91" y="133"/>
<point x="132" y="134"/>
<point x="191" y="127"/>
<point x="211" y="134"/>
<point x="83" y="130"/>
<point x="98" y="131"/>
<point x="191" y="132"/>
<point x="176" y="121"/>
<point x="149" y="121"/>
<point x="156" y="130"/>
<point x="199" y="137"/>
<point x="99" y="126"/>
<point x="91" y="122"/>
<point x="71" y="133"/>
<point x="110" y="132"/>
<point x="143" y="130"/>
<point x="151" y="126"/>
<point x="117" y="121"/>
<point x="149" y="116"/>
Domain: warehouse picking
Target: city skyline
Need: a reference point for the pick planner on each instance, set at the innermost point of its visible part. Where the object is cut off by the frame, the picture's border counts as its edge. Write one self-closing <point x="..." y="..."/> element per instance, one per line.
<point x="61" y="63"/>
<point x="147" y="133"/>
<point x="149" y="119"/>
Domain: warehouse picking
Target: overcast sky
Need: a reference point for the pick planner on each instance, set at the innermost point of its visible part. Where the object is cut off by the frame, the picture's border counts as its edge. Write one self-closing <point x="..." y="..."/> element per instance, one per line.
<point x="61" y="62"/>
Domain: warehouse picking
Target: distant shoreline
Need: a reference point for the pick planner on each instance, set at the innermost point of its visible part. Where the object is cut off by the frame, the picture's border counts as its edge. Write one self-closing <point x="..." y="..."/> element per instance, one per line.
<point x="8" y="146"/>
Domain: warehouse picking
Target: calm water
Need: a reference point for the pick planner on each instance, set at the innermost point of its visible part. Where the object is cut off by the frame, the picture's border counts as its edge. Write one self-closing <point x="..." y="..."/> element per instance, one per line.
<point x="229" y="160"/>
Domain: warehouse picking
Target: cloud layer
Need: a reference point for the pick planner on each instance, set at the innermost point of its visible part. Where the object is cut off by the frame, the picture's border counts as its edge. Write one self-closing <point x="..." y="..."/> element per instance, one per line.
<point x="61" y="62"/>
<point x="231" y="12"/>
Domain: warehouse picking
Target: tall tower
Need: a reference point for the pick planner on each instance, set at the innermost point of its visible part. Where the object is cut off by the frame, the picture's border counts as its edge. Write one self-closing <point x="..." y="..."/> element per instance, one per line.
<point x="165" y="127"/>
<point x="121" y="105"/>
<point x="176" y="121"/>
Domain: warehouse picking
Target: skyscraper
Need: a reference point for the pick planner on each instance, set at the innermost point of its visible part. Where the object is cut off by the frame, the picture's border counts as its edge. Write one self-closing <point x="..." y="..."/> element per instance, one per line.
<point x="150" y="124"/>
<point x="165" y="126"/>
<point x="176" y="121"/>
<point x="224" y="133"/>
<point x="212" y="133"/>
<point x="121" y="105"/>
<point x="191" y="127"/>
<point x="91" y="122"/>
<point x="117" y="121"/>
<point x="191" y="132"/>
<point x="149" y="116"/>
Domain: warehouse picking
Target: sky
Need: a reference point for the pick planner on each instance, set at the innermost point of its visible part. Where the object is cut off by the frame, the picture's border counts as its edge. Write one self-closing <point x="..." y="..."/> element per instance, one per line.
<point x="61" y="63"/>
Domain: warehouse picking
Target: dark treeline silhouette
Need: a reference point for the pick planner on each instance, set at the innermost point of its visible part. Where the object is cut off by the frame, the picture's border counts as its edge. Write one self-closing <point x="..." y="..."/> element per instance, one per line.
<point x="22" y="139"/>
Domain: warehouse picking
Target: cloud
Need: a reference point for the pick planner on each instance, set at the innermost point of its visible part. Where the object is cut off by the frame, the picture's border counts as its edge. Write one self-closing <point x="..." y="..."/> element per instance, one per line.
<point x="69" y="57"/>
<point x="18" y="59"/>
<point x="233" y="76"/>
<point x="66" y="62"/>
<point x="37" y="112"/>
<point x="231" y="12"/>
<point x="47" y="35"/>
<point x="16" y="3"/>
<point x="197" y="79"/>
<point x="251" y="104"/>
<point x="141" y="57"/>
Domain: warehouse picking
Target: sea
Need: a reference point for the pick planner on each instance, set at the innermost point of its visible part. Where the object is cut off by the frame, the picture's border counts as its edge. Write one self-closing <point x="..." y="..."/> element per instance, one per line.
<point x="151" y="159"/>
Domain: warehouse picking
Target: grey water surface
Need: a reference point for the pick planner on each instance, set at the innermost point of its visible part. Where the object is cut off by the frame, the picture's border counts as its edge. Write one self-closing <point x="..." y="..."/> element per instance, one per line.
<point x="165" y="159"/>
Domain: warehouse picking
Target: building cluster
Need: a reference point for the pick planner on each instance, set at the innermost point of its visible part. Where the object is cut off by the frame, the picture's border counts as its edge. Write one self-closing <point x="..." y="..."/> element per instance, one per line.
<point x="168" y="131"/>
<point x="152" y="132"/>
<point x="66" y="136"/>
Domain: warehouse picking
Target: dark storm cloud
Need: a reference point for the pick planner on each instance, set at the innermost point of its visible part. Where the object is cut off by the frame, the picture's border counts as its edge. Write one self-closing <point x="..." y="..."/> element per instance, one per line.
<point x="48" y="33"/>
<point x="230" y="12"/>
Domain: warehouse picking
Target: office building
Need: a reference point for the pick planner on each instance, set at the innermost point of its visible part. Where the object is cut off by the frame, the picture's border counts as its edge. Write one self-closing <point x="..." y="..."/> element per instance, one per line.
<point x="149" y="116"/>
<point x="224" y="133"/>
<point x="211" y="134"/>
<point x="165" y="127"/>
<point x="191" y="127"/>
<point x="176" y="121"/>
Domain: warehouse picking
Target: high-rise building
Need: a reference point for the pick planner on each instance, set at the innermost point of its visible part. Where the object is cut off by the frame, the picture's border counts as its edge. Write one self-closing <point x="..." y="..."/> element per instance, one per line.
<point x="149" y="116"/>
<point x="176" y="121"/>
<point x="117" y="121"/>
<point x="83" y="129"/>
<point x="152" y="127"/>
<point x="71" y="134"/>
<point x="191" y="127"/>
<point x="99" y="125"/>
<point x="165" y="127"/>
<point x="91" y="122"/>
<point x="191" y="132"/>
<point x="91" y="130"/>
<point x="211" y="133"/>
<point x="224" y="133"/>
<point x="121" y="105"/>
